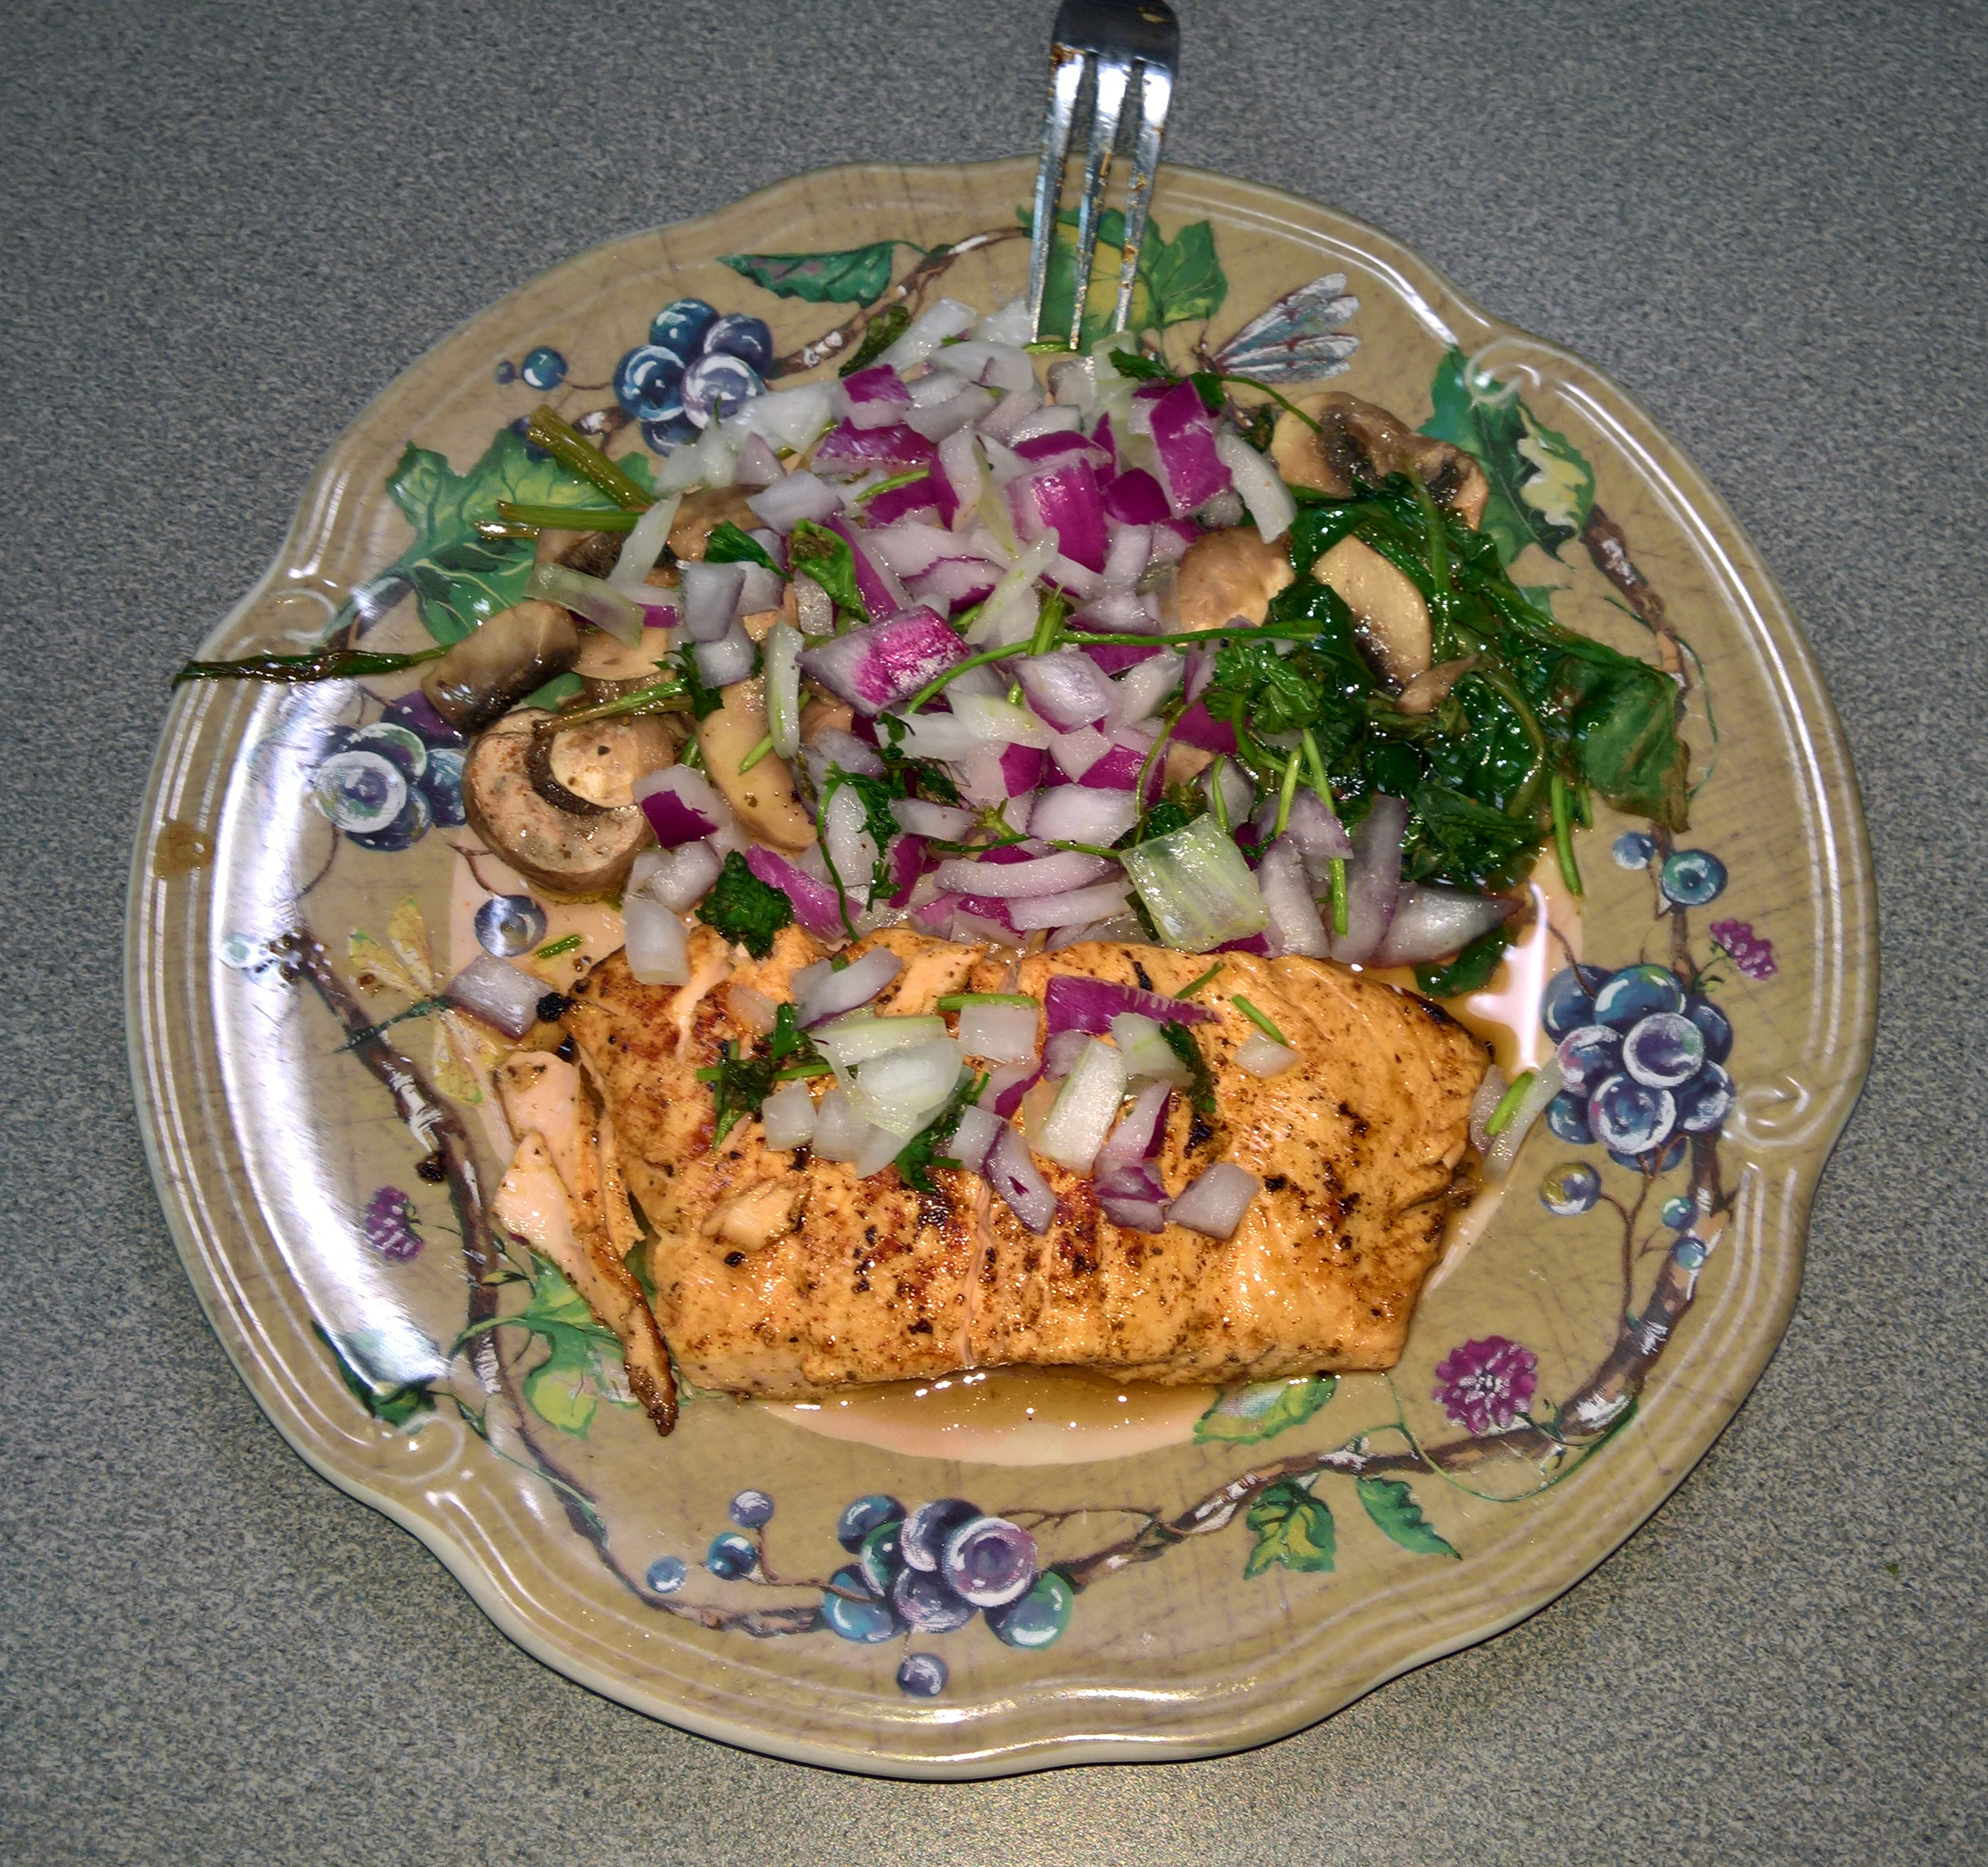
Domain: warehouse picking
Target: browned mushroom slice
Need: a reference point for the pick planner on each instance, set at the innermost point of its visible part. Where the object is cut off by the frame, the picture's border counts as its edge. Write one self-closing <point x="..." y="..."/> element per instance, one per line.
<point x="1392" y="619"/>
<point x="510" y="656"/>
<point x="1360" y="441"/>
<point x="702" y="513"/>
<point x="558" y="839"/>
<point x="590" y="553"/>
<point x="763" y="798"/>
<point x="1229" y="576"/>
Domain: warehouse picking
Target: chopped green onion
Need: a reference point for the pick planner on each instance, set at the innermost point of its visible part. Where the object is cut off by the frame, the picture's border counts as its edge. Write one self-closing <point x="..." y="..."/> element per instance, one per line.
<point x="1285" y="794"/>
<point x="1564" y="836"/>
<point x="795" y="1071"/>
<point x="552" y="949"/>
<point x="1187" y="991"/>
<point x="1217" y="802"/>
<point x="960" y="1000"/>
<point x="892" y="484"/>
<point x="572" y="449"/>
<point x="1257" y="1018"/>
<point x="1314" y="763"/>
<point x="1338" y="896"/>
<point x="1509" y="1103"/>
<point x="568" y="518"/>
<point x="752" y="757"/>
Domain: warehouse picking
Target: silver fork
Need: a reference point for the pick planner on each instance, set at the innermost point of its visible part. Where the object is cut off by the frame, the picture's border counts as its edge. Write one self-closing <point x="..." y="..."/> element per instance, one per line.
<point x="1101" y="50"/>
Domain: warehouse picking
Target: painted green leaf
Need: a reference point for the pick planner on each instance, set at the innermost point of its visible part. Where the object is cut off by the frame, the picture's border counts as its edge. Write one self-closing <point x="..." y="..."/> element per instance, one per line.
<point x="1242" y="1416"/>
<point x="1542" y="488"/>
<point x="1293" y="1531"/>
<point x="564" y="1390"/>
<point x="857" y="276"/>
<point x="395" y="1406"/>
<point x="1185" y="279"/>
<point x="1392" y="1505"/>
<point x="1178" y="280"/>
<point x="559" y="1390"/>
<point x="462" y="585"/>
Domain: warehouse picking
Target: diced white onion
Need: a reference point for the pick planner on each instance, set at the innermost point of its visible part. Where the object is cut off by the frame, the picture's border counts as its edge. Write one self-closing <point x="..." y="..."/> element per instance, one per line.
<point x="1073" y="908"/>
<point x="1267" y="497"/>
<point x="1265" y="1056"/>
<point x="1018" y="1182"/>
<point x="750" y="1007"/>
<point x="711" y="595"/>
<point x="729" y="659"/>
<point x="931" y="328"/>
<point x="1214" y="1206"/>
<point x="855" y="1042"/>
<point x="500" y="993"/>
<point x="850" y="845"/>
<point x="1078" y="814"/>
<point x="996" y="723"/>
<point x="903" y="1090"/>
<point x="820" y="991"/>
<point x="1011" y="610"/>
<point x="838" y="1130"/>
<point x="763" y="589"/>
<point x="999" y="1033"/>
<point x="789" y="1114"/>
<point x="879" y="1147"/>
<point x="998" y="366"/>
<point x="1295" y="926"/>
<point x="1044" y="874"/>
<point x="757" y="464"/>
<point x="1145" y="687"/>
<point x="1084" y="1108"/>
<point x="783" y="647"/>
<point x="656" y="944"/>
<point x="791" y="418"/>
<point x="1147" y="1053"/>
<point x="709" y="461"/>
<point x="800" y="495"/>
<point x="1075" y="752"/>
<point x="947" y="822"/>
<point x="680" y="878"/>
<point x="973" y="1135"/>
<point x="643" y="546"/>
<point x="1130" y="553"/>
<point x="1046" y="421"/>
<point x="592" y="598"/>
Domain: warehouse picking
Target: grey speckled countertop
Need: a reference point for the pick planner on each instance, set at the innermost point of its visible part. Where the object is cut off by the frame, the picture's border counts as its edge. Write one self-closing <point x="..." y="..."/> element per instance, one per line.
<point x="227" y="226"/>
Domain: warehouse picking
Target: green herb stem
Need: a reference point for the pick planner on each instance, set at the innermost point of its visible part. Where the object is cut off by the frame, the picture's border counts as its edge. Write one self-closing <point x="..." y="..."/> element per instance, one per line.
<point x="1286" y="793"/>
<point x="568" y="518"/>
<point x="1187" y="991"/>
<point x="752" y="757"/>
<point x="1217" y="802"/>
<point x="665" y="696"/>
<point x="892" y="484"/>
<point x="552" y="949"/>
<point x="960" y="1000"/>
<point x="1564" y="836"/>
<point x="572" y="449"/>
<point x="1509" y="1103"/>
<point x="1258" y="1019"/>
<point x="322" y="664"/>
<point x="1338" y="896"/>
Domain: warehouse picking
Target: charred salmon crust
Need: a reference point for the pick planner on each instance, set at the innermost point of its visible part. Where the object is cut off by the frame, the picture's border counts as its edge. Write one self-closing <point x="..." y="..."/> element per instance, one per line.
<point x="778" y="1275"/>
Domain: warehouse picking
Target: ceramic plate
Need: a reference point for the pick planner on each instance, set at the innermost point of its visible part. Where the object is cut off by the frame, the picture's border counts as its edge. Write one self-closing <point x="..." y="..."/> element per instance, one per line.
<point x="1218" y="1569"/>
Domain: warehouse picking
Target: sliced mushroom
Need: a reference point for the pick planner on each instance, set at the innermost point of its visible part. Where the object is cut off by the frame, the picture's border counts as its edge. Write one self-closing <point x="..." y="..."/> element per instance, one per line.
<point x="591" y="553"/>
<point x="600" y="763"/>
<point x="559" y="840"/>
<point x="1229" y="576"/>
<point x="603" y="657"/>
<point x="819" y="715"/>
<point x="763" y="798"/>
<point x="1394" y="619"/>
<point x="1360" y="441"/>
<point x="702" y="513"/>
<point x="490" y="670"/>
<point x="1429" y="688"/>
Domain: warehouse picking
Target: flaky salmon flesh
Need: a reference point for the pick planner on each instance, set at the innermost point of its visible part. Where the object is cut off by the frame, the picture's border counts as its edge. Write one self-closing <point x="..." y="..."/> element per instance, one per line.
<point x="778" y="1275"/>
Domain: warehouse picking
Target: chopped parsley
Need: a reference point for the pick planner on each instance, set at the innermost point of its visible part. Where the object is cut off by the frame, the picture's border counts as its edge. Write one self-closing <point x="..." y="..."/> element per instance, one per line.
<point x="744" y="1075"/>
<point x="728" y="545"/>
<point x="1201" y="1086"/>
<point x="919" y="1155"/>
<point x="743" y="908"/>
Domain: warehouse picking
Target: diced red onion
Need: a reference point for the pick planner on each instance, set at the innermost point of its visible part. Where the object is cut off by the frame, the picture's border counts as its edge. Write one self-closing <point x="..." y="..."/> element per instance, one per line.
<point x="710" y="593"/>
<point x="1065" y="688"/>
<point x="1195" y="728"/>
<point x="1133" y="1199"/>
<point x="1318" y="834"/>
<point x="832" y="746"/>
<point x="1106" y="439"/>
<point x="1184" y="438"/>
<point x="1114" y="657"/>
<point x="764" y="589"/>
<point x="1263" y="1056"/>
<point x="909" y="546"/>
<point x="999" y="424"/>
<point x="878" y="665"/>
<point x="954" y="583"/>
<point x="1022" y="768"/>
<point x="1372" y="881"/>
<point x="1077" y="909"/>
<point x="1071" y="1001"/>
<point x="998" y="366"/>
<point x="1238" y="793"/>
<point x="729" y="659"/>
<point x="1136" y="498"/>
<point x="1046" y="422"/>
<point x="821" y="992"/>
<point x="1138" y="1136"/>
<point x="1075" y="752"/>
<point x="848" y="843"/>
<point x="875" y="396"/>
<point x="1073" y="579"/>
<point x="903" y="864"/>
<point x="1018" y="1183"/>
<point x="1063" y="498"/>
<point x="1022" y="881"/>
<point x="682" y="806"/>
<point x="679" y="877"/>
<point x="1061" y="1052"/>
<point x="846" y="452"/>
<point x="1006" y="1087"/>
<point x="1062" y="444"/>
<point x="1216" y="1203"/>
<point x="1295" y="926"/>
<point x="815" y="904"/>
<point x="931" y="494"/>
<point x="500" y="993"/>
<point x="794" y="497"/>
<point x="1119" y="612"/>
<point x="1145" y="688"/>
<point x="876" y="583"/>
<point x="654" y="942"/>
<point x="1432" y="922"/>
<point x="1119" y="770"/>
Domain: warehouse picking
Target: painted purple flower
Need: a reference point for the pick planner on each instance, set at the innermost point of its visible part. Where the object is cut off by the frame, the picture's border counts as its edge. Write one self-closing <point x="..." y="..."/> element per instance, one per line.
<point x="1484" y="1385"/>
<point x="390" y="1224"/>
<point x="1753" y="953"/>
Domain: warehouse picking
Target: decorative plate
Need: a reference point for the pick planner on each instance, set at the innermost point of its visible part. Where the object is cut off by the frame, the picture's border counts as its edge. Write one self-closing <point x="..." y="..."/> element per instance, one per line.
<point x="1216" y="1570"/>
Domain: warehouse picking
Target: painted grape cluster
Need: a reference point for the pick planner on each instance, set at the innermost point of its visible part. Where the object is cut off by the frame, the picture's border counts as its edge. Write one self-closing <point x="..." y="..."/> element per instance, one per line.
<point x="698" y="365"/>
<point x="385" y="786"/>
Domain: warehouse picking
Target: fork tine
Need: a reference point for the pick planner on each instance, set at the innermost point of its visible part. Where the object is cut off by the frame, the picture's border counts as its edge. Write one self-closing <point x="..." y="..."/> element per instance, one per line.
<point x="1066" y="80"/>
<point x="1156" y="94"/>
<point x="1114" y="75"/>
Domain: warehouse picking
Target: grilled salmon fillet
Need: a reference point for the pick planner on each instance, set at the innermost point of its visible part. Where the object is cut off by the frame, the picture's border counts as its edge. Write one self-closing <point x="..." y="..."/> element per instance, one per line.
<point x="778" y="1275"/>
